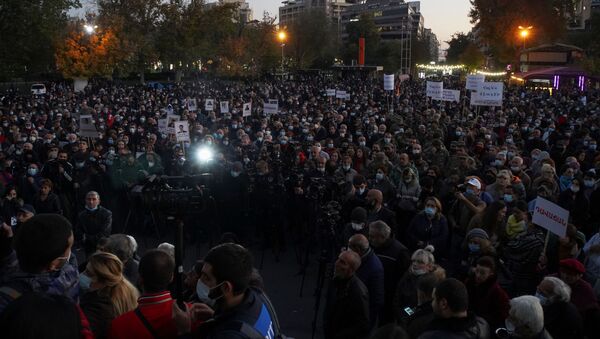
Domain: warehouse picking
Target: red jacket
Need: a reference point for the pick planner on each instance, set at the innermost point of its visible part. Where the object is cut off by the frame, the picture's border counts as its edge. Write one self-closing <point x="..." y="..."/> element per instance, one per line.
<point x="156" y="308"/>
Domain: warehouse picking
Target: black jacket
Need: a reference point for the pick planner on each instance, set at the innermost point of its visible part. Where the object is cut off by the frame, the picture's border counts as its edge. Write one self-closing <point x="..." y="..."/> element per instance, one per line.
<point x="93" y="225"/>
<point x="418" y="323"/>
<point x="99" y="310"/>
<point x="386" y="215"/>
<point x="395" y="260"/>
<point x="470" y="327"/>
<point x="50" y="205"/>
<point x="346" y="313"/>
<point x="562" y="320"/>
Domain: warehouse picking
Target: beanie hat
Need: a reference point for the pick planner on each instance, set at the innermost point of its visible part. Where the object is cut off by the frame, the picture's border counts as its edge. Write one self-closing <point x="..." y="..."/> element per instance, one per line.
<point x="477" y="233"/>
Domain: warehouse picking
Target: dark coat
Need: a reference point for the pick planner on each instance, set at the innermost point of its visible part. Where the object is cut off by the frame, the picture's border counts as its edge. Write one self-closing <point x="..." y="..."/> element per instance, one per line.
<point x="488" y="301"/>
<point x="99" y="310"/>
<point x="418" y="323"/>
<point x="50" y="205"/>
<point x="406" y="293"/>
<point x="346" y="313"/>
<point x="395" y="260"/>
<point x="92" y="226"/>
<point x="429" y="231"/>
<point x="386" y="216"/>
<point x="470" y="327"/>
<point x="562" y="321"/>
<point x="371" y="274"/>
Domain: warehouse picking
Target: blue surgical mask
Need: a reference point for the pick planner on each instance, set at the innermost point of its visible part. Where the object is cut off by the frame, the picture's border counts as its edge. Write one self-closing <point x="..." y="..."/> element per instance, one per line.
<point x="379" y="176"/>
<point x="202" y="292"/>
<point x="589" y="183"/>
<point x="469" y="191"/>
<point x="84" y="282"/>
<point x="543" y="299"/>
<point x="474" y="248"/>
<point x="430" y="211"/>
<point x="235" y="174"/>
<point x="508" y="197"/>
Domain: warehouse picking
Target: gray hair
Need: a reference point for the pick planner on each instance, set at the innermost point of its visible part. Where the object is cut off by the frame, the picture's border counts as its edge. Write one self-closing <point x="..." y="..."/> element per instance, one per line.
<point x="426" y="254"/>
<point x="527" y="314"/>
<point x="562" y="291"/>
<point x="381" y="227"/>
<point x="93" y="193"/>
<point x="121" y="246"/>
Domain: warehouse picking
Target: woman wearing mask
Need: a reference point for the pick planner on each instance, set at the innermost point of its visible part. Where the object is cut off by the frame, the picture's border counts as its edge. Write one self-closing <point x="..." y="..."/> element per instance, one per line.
<point x="477" y="244"/>
<point x="108" y="293"/>
<point x="422" y="261"/>
<point x="429" y="227"/>
<point x="383" y="183"/>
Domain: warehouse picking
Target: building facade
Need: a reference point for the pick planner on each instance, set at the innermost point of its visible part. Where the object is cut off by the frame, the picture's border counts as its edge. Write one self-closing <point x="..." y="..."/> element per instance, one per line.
<point x="291" y="9"/>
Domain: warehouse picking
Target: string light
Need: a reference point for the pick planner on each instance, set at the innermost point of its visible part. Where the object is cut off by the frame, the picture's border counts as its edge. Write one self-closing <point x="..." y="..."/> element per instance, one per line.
<point x="441" y="67"/>
<point x="517" y="78"/>
<point x="492" y="74"/>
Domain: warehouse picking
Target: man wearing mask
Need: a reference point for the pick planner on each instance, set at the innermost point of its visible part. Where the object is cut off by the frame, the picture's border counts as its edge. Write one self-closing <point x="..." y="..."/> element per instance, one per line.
<point x="395" y="260"/>
<point x="93" y="223"/>
<point x="346" y="313"/>
<point x="376" y="210"/>
<point x="238" y="310"/>
<point x="561" y="318"/>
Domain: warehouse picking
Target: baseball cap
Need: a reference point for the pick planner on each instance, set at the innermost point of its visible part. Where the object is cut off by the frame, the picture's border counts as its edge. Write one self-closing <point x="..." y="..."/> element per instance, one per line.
<point x="474" y="182"/>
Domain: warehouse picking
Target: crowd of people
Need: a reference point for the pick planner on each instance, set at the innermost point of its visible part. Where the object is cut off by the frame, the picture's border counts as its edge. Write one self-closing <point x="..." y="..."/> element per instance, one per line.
<point x="425" y="207"/>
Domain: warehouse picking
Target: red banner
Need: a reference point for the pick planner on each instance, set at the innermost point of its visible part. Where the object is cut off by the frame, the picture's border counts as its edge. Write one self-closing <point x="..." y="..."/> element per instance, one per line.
<point x="361" y="51"/>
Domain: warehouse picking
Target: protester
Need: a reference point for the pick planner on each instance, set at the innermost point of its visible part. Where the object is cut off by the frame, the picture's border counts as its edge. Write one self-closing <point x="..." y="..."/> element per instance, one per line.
<point x="561" y="318"/>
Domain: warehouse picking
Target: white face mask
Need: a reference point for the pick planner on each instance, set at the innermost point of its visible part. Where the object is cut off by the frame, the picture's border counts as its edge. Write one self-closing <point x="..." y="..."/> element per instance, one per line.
<point x="357" y="227"/>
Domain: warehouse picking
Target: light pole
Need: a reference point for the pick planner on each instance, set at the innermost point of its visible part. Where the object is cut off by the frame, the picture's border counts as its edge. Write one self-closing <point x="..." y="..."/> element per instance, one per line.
<point x="282" y="36"/>
<point x="524" y="33"/>
<point x="89" y="29"/>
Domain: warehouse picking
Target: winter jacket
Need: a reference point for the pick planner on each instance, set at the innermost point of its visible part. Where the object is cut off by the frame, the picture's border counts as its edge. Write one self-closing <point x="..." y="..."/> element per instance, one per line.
<point x="429" y="231"/>
<point x="470" y="327"/>
<point x="371" y="274"/>
<point x="489" y="301"/>
<point x="562" y="320"/>
<point x="346" y="313"/>
<point x="395" y="259"/>
<point x="99" y="310"/>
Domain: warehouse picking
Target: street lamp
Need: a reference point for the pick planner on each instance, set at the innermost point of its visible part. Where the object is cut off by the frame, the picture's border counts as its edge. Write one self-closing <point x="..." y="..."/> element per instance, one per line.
<point x="524" y="33"/>
<point x="282" y="37"/>
<point x="89" y="29"/>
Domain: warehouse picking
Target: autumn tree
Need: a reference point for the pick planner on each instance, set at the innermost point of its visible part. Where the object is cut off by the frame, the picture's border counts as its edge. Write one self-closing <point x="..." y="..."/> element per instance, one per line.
<point x="83" y="55"/>
<point x="463" y="50"/>
<point x="497" y="22"/>
<point x="312" y="40"/>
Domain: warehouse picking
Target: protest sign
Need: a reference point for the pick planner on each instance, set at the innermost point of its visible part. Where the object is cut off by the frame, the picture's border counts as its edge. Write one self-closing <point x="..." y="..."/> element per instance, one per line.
<point x="272" y="107"/>
<point x="171" y="119"/>
<point x="331" y="92"/>
<point x="474" y="81"/>
<point x="247" y="110"/>
<point x="209" y="104"/>
<point x="182" y="131"/>
<point x="388" y="82"/>
<point x="550" y="216"/>
<point x="224" y="106"/>
<point x="340" y="94"/>
<point x="162" y="126"/>
<point x="435" y="90"/>
<point x="488" y="94"/>
<point x="87" y="128"/>
<point x="192" y="105"/>
<point x="451" y="95"/>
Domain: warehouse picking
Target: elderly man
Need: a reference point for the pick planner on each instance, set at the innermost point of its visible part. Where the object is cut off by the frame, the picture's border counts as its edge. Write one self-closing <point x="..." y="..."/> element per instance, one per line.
<point x="560" y="316"/>
<point x="93" y="223"/>
<point x="370" y="272"/>
<point x="395" y="260"/>
<point x="346" y="313"/>
<point x="376" y="210"/>
<point x="525" y="319"/>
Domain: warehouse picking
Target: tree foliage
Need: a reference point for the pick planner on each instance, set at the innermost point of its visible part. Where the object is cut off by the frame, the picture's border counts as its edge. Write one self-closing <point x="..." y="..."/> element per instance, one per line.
<point x="312" y="40"/>
<point x="83" y="55"/>
<point x="462" y="50"/>
<point x="28" y="31"/>
<point x="496" y="23"/>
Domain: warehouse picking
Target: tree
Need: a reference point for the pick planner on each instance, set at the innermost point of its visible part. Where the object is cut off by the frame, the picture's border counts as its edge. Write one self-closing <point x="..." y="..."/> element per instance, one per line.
<point x="83" y="55"/>
<point x="311" y="40"/>
<point x="496" y="23"/>
<point x="28" y="31"/>
<point x="463" y="50"/>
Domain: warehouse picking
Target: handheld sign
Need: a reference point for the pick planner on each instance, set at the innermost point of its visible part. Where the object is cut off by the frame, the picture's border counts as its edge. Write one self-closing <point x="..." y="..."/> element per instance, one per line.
<point x="340" y="94"/>
<point x="247" y="111"/>
<point x="192" y="105"/>
<point x="224" y="105"/>
<point x="550" y="216"/>
<point x="474" y="81"/>
<point x="331" y="92"/>
<point x="87" y="128"/>
<point x="488" y="94"/>
<point x="388" y="82"/>
<point x="182" y="131"/>
<point x="451" y="95"/>
<point x="272" y="107"/>
<point x="209" y="104"/>
<point x="435" y="90"/>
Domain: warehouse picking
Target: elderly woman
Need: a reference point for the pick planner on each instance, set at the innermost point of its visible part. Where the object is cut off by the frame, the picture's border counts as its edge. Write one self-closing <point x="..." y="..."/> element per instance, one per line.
<point x="422" y="261"/>
<point x="560" y="316"/>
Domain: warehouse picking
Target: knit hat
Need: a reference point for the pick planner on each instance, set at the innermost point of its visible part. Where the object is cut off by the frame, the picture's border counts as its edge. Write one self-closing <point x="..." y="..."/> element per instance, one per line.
<point x="477" y="233"/>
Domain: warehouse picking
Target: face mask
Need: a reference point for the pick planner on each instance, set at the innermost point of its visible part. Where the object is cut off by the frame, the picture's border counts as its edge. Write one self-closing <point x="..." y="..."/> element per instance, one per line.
<point x="508" y="197"/>
<point x="498" y="162"/>
<point x="387" y="140"/>
<point x="379" y="176"/>
<point x="32" y="171"/>
<point x="202" y="292"/>
<point x="215" y="293"/>
<point x="543" y="299"/>
<point x="235" y="174"/>
<point x="515" y="169"/>
<point x="321" y="169"/>
<point x="226" y="142"/>
<point x="346" y="167"/>
<point x="589" y="183"/>
<point x="474" y="248"/>
<point x="91" y="209"/>
<point x="356" y="226"/>
<point x="592" y="147"/>
<point x="150" y="163"/>
<point x="469" y="191"/>
<point x="361" y="191"/>
<point x="362" y="143"/>
<point x="575" y="189"/>
<point x="84" y="281"/>
<point x="418" y="271"/>
<point x="430" y="211"/>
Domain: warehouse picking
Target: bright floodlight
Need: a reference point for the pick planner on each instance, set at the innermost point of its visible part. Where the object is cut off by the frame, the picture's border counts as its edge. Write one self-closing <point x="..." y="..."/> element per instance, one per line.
<point x="89" y="29"/>
<point x="282" y="36"/>
<point x="204" y="154"/>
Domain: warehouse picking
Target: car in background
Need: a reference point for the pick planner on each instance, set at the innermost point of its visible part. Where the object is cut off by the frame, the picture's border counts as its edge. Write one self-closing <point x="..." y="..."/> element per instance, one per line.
<point x="38" y="89"/>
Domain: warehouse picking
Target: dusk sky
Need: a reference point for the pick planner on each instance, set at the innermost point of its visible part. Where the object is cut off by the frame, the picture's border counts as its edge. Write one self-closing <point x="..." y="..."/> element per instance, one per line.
<point x="445" y="17"/>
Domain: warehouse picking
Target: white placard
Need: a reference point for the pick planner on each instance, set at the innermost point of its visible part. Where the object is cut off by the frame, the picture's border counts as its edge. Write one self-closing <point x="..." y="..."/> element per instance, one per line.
<point x="330" y="92"/>
<point x="182" y="131"/>
<point x="451" y="95"/>
<point x="270" y="107"/>
<point x="87" y="129"/>
<point x="488" y="94"/>
<point x="192" y="105"/>
<point x="435" y="90"/>
<point x="550" y="216"/>
<point x="247" y="111"/>
<point x="209" y="104"/>
<point x="474" y="81"/>
<point x="340" y="94"/>
<point x="162" y="126"/>
<point x="171" y="119"/>
<point x="388" y="82"/>
<point x="224" y="105"/>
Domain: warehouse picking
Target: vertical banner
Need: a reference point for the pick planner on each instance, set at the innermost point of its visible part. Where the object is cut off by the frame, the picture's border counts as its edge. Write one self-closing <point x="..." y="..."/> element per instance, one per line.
<point x="388" y="82"/>
<point x="192" y="105"/>
<point x="247" y="111"/>
<point x="224" y="106"/>
<point x="209" y="104"/>
<point x="182" y="131"/>
<point x="361" y="51"/>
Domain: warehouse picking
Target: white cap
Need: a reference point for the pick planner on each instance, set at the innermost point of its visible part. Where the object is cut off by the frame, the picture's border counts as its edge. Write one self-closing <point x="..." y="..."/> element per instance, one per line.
<point x="474" y="182"/>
